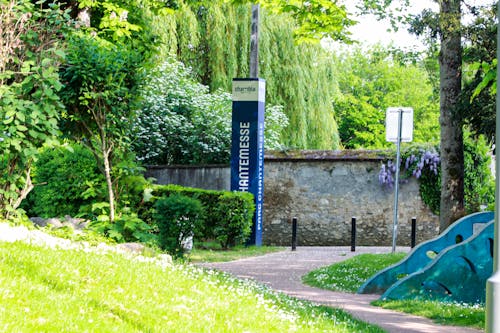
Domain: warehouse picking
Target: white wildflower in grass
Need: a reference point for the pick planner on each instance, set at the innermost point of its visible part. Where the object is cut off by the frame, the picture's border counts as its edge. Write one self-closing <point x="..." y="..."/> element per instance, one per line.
<point x="350" y="274"/>
<point x="107" y="290"/>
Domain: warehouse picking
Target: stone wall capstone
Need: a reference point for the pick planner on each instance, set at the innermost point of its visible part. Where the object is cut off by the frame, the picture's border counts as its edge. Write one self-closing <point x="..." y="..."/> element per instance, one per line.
<point x="324" y="190"/>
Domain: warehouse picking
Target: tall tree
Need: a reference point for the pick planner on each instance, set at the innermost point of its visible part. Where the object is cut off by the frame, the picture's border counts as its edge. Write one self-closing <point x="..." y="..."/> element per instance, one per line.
<point x="480" y="59"/>
<point x="452" y="152"/>
<point x="100" y="81"/>
<point x="101" y="76"/>
<point x="447" y="25"/>
<point x="314" y="19"/>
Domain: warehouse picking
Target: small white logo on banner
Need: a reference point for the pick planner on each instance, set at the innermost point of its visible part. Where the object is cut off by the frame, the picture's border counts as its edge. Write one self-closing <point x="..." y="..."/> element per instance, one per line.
<point x="249" y="91"/>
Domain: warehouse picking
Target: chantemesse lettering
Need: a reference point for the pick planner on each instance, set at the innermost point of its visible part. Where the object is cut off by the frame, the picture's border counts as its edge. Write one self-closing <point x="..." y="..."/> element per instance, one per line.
<point x="244" y="156"/>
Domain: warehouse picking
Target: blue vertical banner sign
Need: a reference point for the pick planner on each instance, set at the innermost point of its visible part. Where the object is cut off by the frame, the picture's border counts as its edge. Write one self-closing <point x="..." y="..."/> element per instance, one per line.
<point x="247" y="148"/>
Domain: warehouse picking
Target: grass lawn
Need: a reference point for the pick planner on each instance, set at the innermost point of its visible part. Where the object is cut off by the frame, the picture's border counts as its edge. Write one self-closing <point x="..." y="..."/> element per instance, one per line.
<point x="44" y="290"/>
<point x="212" y="252"/>
<point x="471" y="315"/>
<point x="349" y="275"/>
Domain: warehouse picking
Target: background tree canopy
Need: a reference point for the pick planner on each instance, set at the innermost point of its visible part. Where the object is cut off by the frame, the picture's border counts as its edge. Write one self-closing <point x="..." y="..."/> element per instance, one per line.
<point x="213" y="38"/>
<point x="91" y="55"/>
<point x="370" y="81"/>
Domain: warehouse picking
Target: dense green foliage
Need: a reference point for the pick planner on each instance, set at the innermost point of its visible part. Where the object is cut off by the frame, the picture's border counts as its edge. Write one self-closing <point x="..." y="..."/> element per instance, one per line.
<point x="372" y="80"/>
<point x="180" y="122"/>
<point x="315" y="19"/>
<point x="101" y="76"/>
<point x="477" y="103"/>
<point x="213" y="39"/>
<point x="126" y="228"/>
<point x="65" y="179"/>
<point x="68" y="182"/>
<point x="350" y="274"/>
<point x="99" y="92"/>
<point x="29" y="105"/>
<point x="111" y="293"/>
<point x="429" y="180"/>
<point x="479" y="183"/>
<point x="177" y="217"/>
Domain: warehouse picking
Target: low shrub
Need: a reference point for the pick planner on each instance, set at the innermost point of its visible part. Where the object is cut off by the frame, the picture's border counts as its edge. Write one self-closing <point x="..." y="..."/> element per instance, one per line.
<point x="227" y="217"/>
<point x="128" y="227"/>
<point x="177" y="217"/>
<point x="233" y="215"/>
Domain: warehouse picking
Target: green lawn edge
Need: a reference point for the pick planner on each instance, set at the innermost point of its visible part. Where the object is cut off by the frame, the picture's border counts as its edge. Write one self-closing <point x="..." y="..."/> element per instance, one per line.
<point x="349" y="275"/>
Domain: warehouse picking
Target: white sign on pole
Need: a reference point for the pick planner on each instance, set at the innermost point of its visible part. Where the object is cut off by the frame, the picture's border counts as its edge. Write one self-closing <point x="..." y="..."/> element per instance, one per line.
<point x="398" y="128"/>
<point x="391" y="124"/>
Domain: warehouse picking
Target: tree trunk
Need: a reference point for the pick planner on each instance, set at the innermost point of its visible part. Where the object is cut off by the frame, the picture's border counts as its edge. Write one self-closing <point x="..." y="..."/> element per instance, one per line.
<point x="28" y="186"/>
<point x="452" y="153"/>
<point x="111" y="195"/>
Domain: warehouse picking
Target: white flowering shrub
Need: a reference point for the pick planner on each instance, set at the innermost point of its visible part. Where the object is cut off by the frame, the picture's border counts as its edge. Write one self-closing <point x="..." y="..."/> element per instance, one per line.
<point x="182" y="123"/>
<point x="276" y="120"/>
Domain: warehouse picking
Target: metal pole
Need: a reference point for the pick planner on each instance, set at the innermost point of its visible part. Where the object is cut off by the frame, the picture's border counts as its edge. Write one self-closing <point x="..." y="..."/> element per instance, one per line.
<point x="413" y="231"/>
<point x="396" y="191"/>
<point x="294" y="234"/>
<point x="493" y="283"/>
<point x="254" y="43"/>
<point x="353" y="234"/>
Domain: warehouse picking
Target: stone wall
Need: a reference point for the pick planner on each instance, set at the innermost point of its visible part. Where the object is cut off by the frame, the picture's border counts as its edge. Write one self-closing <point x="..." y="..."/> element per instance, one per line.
<point x="324" y="190"/>
<point x="209" y="177"/>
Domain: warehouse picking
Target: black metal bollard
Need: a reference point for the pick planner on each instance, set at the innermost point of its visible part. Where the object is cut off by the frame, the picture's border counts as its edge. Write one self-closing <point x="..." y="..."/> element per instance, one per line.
<point x="294" y="234"/>
<point x="353" y="234"/>
<point x="413" y="231"/>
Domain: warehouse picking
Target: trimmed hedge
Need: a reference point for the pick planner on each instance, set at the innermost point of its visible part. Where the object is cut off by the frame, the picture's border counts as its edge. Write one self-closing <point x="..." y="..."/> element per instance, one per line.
<point x="177" y="217"/>
<point x="227" y="215"/>
<point x="232" y="218"/>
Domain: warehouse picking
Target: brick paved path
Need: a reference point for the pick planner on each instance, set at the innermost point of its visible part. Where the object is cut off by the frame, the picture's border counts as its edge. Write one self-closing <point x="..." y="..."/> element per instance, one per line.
<point x="282" y="271"/>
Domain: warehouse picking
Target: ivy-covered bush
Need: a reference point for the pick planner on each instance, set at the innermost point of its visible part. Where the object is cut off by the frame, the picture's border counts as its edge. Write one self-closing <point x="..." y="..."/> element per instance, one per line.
<point x="233" y="216"/>
<point x="177" y="217"/>
<point x="67" y="180"/>
<point x="423" y="163"/>
<point x="180" y="122"/>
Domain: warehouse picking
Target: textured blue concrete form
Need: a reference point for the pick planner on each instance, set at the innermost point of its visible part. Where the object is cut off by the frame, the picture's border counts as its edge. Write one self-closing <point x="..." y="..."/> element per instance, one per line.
<point x="458" y="274"/>
<point x="423" y="254"/>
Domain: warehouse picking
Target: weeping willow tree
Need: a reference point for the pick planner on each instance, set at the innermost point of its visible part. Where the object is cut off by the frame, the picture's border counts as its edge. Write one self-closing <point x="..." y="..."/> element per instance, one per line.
<point x="213" y="38"/>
